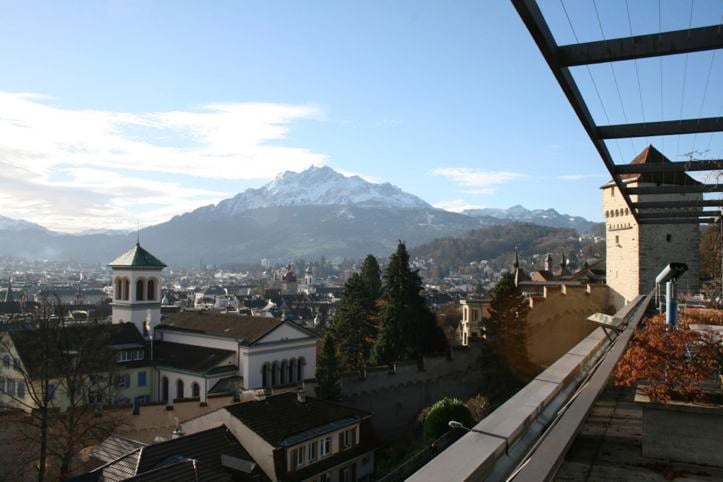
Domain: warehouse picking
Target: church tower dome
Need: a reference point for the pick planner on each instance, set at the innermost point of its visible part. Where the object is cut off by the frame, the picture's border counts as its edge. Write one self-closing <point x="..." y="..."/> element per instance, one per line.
<point x="137" y="289"/>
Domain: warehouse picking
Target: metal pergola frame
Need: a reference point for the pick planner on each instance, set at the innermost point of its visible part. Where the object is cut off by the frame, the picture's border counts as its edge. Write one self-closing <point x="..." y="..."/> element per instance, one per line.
<point x="561" y="57"/>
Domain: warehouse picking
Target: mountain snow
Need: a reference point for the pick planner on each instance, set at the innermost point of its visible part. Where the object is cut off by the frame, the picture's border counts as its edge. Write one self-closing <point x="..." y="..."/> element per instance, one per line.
<point x="546" y="217"/>
<point x="318" y="186"/>
<point x="10" y="224"/>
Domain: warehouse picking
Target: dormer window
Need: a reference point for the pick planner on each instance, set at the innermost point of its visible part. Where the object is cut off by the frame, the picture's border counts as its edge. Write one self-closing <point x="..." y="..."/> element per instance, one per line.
<point x="347" y="438"/>
<point x="129" y="355"/>
<point x="325" y="447"/>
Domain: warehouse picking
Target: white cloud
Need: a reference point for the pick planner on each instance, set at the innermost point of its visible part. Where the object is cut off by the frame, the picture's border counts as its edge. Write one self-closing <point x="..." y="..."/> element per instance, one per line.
<point x="457" y="205"/>
<point x="60" y="167"/>
<point x="476" y="181"/>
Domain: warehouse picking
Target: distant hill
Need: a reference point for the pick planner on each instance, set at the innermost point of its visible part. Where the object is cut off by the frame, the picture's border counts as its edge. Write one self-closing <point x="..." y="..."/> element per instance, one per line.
<point x="497" y="245"/>
<point x="543" y="217"/>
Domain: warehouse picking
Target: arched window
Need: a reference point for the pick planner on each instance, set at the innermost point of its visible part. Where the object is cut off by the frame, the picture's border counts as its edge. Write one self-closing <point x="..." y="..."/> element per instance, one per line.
<point x="151" y="290"/>
<point x="118" y="291"/>
<point x="292" y="370"/>
<point x="265" y="376"/>
<point x="126" y="289"/>
<point x="195" y="390"/>
<point x="179" y="389"/>
<point x="164" y="389"/>
<point x="274" y="374"/>
<point x="300" y="368"/>
<point x="284" y="373"/>
<point x="139" y="290"/>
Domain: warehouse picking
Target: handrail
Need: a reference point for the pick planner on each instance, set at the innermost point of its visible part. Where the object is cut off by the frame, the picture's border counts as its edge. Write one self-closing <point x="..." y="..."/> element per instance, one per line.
<point x="527" y="420"/>
<point x="544" y="462"/>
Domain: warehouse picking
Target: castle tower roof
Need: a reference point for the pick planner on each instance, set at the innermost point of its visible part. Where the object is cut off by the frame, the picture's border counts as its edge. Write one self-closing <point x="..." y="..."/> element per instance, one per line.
<point x="650" y="155"/>
<point x="137" y="257"/>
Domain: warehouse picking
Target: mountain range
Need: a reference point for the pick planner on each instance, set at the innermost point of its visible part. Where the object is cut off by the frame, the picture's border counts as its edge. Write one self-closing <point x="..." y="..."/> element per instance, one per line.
<point x="543" y="217"/>
<point x="316" y="212"/>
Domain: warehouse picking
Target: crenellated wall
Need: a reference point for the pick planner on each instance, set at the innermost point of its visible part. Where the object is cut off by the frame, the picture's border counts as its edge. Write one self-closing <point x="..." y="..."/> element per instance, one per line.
<point x="557" y="320"/>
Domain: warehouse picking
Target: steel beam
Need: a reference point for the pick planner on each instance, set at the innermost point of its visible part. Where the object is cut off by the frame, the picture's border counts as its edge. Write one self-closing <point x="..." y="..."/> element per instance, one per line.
<point x="660" y="167"/>
<point x="671" y="189"/>
<point x="678" y="204"/>
<point x="663" y="128"/>
<point x="679" y="221"/>
<point x="676" y="214"/>
<point x="535" y="22"/>
<point x="642" y="46"/>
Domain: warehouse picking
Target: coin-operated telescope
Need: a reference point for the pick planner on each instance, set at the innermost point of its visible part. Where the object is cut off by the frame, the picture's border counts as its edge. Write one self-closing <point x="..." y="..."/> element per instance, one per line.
<point x="669" y="276"/>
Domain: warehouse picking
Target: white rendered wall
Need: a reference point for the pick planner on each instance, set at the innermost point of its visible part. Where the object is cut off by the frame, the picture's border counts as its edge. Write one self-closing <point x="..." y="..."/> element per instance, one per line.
<point x="197" y="340"/>
<point x="257" y="355"/>
<point x="133" y="310"/>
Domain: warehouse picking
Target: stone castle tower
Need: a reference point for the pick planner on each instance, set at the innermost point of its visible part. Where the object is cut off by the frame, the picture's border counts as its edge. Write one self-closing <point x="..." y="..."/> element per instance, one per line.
<point x="137" y="289"/>
<point x="636" y="253"/>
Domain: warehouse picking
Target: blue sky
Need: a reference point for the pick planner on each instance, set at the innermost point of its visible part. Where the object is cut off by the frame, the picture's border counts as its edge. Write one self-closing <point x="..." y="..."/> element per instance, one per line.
<point x="114" y="112"/>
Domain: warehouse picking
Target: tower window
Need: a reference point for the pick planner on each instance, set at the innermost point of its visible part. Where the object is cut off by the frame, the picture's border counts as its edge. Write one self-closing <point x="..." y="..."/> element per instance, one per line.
<point x="151" y="290"/>
<point x="139" y="290"/>
<point x="668" y="237"/>
<point x="617" y="240"/>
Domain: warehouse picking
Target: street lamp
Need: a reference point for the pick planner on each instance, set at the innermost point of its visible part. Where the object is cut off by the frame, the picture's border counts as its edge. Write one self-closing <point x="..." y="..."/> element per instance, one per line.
<point x="456" y="424"/>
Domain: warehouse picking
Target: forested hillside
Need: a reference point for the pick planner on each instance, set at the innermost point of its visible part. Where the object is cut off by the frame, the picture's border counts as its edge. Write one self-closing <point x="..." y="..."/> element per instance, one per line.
<point x="496" y="244"/>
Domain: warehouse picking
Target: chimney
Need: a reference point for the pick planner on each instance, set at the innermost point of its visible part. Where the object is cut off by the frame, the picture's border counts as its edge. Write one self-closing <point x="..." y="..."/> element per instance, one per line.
<point x="300" y="395"/>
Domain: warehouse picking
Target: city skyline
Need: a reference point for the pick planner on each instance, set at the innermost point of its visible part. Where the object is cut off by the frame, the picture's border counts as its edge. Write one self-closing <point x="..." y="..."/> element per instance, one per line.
<point x="122" y="112"/>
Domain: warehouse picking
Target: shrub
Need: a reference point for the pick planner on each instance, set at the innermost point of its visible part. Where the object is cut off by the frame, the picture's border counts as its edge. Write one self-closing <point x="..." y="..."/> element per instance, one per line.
<point x="674" y="363"/>
<point x="479" y="407"/>
<point x="439" y="415"/>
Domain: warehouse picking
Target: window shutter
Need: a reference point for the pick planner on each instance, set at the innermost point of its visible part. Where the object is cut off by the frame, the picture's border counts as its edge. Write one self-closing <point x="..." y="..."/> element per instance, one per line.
<point x="341" y="441"/>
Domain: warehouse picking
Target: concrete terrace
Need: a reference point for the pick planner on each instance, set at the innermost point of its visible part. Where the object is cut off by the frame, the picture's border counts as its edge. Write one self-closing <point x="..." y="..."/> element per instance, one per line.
<point x="608" y="447"/>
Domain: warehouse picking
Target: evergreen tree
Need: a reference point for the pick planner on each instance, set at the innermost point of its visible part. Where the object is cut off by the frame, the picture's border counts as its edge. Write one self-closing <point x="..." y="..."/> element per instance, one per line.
<point x="353" y="325"/>
<point x="327" y="371"/>
<point x="409" y="328"/>
<point x="371" y="275"/>
<point x="505" y="329"/>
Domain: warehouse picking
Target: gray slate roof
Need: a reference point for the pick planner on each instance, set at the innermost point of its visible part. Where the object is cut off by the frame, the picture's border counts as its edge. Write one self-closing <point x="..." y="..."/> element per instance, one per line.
<point x="189" y="357"/>
<point x="205" y="448"/>
<point x="279" y="418"/>
<point x="137" y="257"/>
<point x="115" y="447"/>
<point x="247" y="329"/>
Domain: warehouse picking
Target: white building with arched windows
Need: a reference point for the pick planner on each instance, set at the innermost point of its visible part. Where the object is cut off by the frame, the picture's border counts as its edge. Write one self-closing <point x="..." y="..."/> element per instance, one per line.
<point x="194" y="354"/>
<point x="199" y="353"/>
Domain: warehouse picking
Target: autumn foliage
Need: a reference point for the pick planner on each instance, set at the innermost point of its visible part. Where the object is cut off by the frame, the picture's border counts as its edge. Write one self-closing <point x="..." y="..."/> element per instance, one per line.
<point x="672" y="363"/>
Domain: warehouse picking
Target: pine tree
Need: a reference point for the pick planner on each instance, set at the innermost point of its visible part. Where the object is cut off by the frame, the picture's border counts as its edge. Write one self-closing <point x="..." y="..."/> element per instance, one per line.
<point x="408" y="328"/>
<point x="371" y="275"/>
<point x="327" y="371"/>
<point x="353" y="325"/>
<point x="505" y="329"/>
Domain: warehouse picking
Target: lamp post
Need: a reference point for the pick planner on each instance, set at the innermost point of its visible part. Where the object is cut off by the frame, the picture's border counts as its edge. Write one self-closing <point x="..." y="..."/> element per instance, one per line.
<point x="456" y="424"/>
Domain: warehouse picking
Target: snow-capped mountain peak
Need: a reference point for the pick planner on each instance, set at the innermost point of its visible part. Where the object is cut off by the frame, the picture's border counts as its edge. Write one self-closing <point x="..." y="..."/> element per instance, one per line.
<point x="319" y="186"/>
<point x="10" y="224"/>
